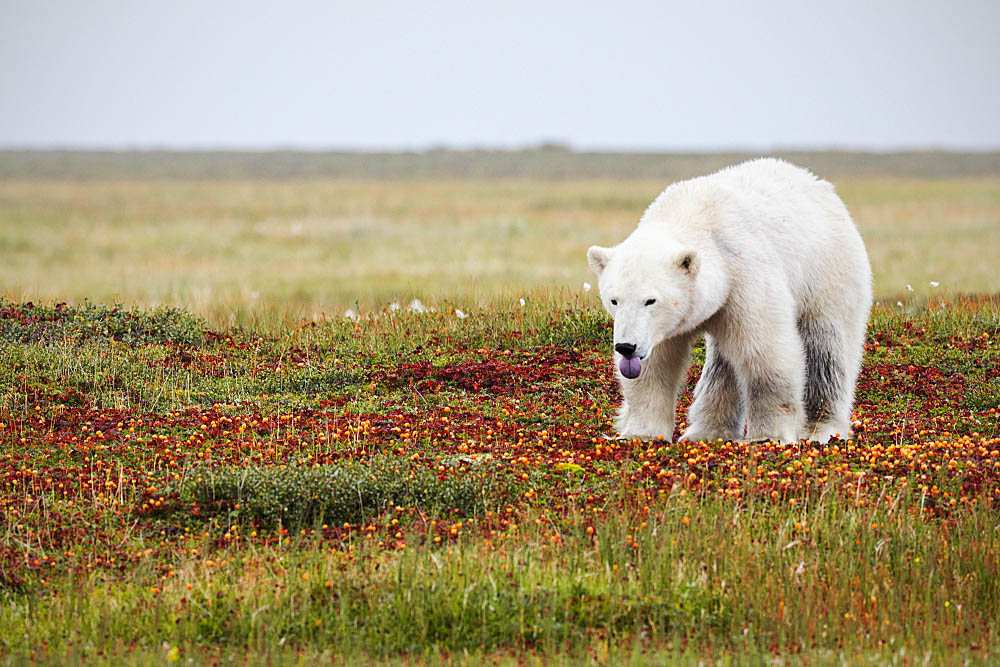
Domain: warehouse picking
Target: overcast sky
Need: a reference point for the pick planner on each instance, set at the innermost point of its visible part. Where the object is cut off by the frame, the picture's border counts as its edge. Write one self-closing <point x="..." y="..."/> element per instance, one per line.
<point x="626" y="74"/>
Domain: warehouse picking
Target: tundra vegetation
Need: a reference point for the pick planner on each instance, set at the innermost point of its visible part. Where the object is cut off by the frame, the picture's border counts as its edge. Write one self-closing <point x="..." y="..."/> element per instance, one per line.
<point x="240" y="478"/>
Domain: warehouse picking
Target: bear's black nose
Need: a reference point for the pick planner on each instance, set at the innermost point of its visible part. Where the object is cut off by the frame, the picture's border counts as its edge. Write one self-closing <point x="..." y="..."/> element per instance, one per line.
<point x="625" y="349"/>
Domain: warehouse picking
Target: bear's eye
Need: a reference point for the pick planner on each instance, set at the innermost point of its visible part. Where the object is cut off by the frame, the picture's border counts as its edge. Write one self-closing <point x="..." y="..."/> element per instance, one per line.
<point x="650" y="302"/>
<point x="614" y="302"/>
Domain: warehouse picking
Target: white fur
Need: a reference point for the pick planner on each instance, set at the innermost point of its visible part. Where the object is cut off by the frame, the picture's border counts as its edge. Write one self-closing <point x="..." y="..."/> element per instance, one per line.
<point x="764" y="260"/>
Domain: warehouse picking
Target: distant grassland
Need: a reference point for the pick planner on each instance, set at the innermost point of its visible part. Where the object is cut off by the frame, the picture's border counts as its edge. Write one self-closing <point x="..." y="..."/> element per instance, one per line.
<point x="280" y="243"/>
<point x="549" y="162"/>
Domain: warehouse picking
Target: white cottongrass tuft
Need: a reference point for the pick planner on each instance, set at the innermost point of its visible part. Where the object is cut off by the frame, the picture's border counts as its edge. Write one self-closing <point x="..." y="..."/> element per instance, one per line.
<point x="521" y="301"/>
<point x="899" y="303"/>
<point x="351" y="314"/>
<point x="586" y="287"/>
<point x="460" y="314"/>
<point x="394" y="306"/>
<point x="909" y="288"/>
<point x="416" y="306"/>
<point x="934" y="283"/>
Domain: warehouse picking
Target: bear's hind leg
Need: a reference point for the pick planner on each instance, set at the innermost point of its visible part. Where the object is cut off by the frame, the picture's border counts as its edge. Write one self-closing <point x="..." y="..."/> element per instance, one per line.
<point x="719" y="410"/>
<point x="829" y="387"/>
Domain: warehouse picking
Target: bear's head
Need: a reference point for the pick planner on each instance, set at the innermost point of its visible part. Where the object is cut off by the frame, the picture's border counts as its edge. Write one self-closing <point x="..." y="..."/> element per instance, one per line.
<point x="649" y="293"/>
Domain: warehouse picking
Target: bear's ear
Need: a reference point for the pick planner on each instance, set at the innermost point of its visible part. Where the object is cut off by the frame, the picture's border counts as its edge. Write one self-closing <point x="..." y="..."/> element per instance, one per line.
<point x="598" y="258"/>
<point x="687" y="261"/>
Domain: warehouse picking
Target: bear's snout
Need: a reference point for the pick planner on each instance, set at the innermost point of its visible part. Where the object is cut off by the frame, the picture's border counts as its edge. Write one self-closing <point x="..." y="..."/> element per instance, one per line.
<point x="625" y="349"/>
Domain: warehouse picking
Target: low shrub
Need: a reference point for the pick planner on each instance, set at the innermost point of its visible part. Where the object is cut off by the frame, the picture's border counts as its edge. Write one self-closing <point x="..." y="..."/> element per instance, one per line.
<point x="347" y="491"/>
<point x="29" y="323"/>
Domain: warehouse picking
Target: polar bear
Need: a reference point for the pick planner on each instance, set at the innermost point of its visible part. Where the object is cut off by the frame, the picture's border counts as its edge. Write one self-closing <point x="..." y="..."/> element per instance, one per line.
<point x="764" y="260"/>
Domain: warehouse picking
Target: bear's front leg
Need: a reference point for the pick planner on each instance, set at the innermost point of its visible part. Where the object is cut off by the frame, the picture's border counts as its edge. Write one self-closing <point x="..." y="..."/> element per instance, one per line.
<point x="643" y="418"/>
<point x="774" y="394"/>
<point x="771" y="364"/>
<point x="774" y="411"/>
<point x="718" y="411"/>
<point x="650" y="400"/>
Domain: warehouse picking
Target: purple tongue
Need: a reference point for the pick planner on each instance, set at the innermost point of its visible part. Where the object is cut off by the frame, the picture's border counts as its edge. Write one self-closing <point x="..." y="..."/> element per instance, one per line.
<point x="630" y="367"/>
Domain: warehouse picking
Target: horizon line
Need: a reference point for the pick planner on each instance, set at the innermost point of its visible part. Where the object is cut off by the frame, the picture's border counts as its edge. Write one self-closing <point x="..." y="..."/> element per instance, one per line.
<point x="553" y="146"/>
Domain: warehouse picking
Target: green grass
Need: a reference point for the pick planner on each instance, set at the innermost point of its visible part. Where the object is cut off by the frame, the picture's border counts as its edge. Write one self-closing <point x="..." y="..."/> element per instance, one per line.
<point x="820" y="582"/>
<point x="425" y="488"/>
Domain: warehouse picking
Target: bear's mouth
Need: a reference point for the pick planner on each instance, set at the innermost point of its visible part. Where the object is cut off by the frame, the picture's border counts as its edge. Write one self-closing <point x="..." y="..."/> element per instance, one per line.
<point x="630" y="367"/>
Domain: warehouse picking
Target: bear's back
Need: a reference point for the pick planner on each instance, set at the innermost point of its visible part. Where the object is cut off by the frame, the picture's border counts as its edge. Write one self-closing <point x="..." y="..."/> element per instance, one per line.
<point x="766" y="212"/>
<point x="768" y="195"/>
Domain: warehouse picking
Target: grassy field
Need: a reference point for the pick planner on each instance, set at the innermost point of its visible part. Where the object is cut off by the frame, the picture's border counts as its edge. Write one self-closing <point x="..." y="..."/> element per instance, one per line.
<point x="257" y="478"/>
<point x="425" y="488"/>
<point x="546" y="162"/>
<point x="270" y="251"/>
